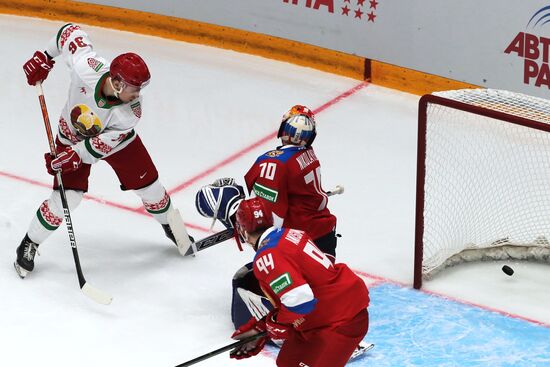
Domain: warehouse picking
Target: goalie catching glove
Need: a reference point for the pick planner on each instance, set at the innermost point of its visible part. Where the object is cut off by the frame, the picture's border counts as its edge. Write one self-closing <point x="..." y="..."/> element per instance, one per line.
<point x="220" y="200"/>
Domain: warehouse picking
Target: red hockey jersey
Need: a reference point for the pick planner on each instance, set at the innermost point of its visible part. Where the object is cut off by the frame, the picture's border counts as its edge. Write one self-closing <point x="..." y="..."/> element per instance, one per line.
<point x="309" y="291"/>
<point x="289" y="178"/>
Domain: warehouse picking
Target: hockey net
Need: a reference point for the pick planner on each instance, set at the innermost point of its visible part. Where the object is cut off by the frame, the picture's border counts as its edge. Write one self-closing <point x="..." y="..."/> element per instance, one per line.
<point x="483" y="179"/>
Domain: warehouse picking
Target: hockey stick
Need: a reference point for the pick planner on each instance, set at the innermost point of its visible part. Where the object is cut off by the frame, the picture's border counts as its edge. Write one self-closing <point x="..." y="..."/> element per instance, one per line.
<point x="183" y="242"/>
<point x="221" y="350"/>
<point x="211" y="240"/>
<point x="93" y="293"/>
<point x="229" y="233"/>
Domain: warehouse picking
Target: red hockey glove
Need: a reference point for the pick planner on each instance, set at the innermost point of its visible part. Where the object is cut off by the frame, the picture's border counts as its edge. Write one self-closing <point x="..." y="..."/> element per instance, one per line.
<point x="67" y="161"/>
<point x="37" y="68"/>
<point x="276" y="330"/>
<point x="252" y="327"/>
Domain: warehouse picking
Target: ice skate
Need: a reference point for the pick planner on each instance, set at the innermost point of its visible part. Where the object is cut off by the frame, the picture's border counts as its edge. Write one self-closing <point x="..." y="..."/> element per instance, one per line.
<point x="168" y="232"/>
<point x="26" y="251"/>
<point x="361" y="349"/>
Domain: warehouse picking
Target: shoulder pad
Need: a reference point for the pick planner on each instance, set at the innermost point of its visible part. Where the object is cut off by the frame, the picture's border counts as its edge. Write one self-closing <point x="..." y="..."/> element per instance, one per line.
<point x="281" y="155"/>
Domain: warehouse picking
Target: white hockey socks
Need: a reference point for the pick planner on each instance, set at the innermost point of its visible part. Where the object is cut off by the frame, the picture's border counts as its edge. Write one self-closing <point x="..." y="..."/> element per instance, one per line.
<point x="49" y="215"/>
<point x="156" y="201"/>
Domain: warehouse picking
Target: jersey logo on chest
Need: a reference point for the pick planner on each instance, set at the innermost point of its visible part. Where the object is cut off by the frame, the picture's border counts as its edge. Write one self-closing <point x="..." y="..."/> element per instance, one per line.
<point x="85" y="120"/>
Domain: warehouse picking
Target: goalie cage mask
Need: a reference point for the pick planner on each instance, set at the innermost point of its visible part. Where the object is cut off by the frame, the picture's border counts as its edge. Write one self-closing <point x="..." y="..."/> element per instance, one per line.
<point x="298" y="126"/>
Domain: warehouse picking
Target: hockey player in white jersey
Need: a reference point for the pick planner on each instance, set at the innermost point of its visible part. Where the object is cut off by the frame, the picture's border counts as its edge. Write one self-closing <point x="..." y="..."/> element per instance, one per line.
<point x="96" y="123"/>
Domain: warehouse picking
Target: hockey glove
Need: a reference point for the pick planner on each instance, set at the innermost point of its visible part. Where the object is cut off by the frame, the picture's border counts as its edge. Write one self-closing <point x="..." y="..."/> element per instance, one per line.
<point x="66" y="161"/>
<point x="219" y="202"/>
<point x="275" y="330"/>
<point x="37" y="68"/>
<point x="252" y="327"/>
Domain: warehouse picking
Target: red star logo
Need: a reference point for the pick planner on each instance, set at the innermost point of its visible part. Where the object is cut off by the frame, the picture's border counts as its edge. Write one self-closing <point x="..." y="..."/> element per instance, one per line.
<point x="358" y="13"/>
<point x="360" y="2"/>
<point x="371" y="16"/>
<point x="373" y="4"/>
<point x="345" y="10"/>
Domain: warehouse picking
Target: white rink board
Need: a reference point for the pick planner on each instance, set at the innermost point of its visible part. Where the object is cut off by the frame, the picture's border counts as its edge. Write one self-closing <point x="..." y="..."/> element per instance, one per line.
<point x="461" y="40"/>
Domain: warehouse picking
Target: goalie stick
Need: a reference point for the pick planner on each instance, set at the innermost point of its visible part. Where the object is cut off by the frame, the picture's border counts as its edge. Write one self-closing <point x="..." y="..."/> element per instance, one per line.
<point x="90" y="291"/>
<point x="179" y="231"/>
<point x="221" y="350"/>
<point x="211" y="240"/>
<point x="229" y="233"/>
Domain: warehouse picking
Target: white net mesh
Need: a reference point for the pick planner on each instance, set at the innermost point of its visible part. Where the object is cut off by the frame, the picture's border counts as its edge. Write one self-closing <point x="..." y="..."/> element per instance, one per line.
<point x="487" y="181"/>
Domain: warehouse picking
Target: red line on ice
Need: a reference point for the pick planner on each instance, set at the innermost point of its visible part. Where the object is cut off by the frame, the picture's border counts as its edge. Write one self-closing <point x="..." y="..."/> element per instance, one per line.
<point x="208" y="171"/>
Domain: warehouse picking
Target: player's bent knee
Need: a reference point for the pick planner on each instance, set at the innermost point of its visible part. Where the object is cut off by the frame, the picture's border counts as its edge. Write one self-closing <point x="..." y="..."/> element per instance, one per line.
<point x="152" y="193"/>
<point x="74" y="197"/>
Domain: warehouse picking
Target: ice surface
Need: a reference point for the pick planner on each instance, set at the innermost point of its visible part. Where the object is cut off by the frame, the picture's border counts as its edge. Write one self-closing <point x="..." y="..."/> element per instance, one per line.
<point x="202" y="106"/>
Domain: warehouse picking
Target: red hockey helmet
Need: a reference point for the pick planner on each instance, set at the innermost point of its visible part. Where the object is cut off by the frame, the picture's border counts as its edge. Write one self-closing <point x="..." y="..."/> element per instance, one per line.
<point x="131" y="69"/>
<point x="253" y="215"/>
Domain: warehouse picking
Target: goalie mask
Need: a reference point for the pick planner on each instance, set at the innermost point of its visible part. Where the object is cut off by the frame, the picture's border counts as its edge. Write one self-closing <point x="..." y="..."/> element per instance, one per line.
<point x="252" y="215"/>
<point x="298" y="126"/>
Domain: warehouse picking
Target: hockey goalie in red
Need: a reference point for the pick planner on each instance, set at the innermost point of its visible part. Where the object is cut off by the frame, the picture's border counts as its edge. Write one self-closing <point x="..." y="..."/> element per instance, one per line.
<point x="320" y="307"/>
<point x="289" y="180"/>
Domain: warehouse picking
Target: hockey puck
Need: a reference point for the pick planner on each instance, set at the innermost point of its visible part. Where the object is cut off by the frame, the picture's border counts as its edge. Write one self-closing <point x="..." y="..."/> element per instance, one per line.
<point x="508" y="270"/>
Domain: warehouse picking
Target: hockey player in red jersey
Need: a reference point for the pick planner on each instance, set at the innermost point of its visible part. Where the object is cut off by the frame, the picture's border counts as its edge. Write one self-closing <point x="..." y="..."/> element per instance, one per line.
<point x="288" y="178"/>
<point x="97" y="123"/>
<point x="320" y="307"/>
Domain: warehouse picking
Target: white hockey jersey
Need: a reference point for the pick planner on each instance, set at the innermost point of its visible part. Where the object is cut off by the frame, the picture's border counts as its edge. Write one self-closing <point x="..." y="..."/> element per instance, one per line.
<point x="93" y="125"/>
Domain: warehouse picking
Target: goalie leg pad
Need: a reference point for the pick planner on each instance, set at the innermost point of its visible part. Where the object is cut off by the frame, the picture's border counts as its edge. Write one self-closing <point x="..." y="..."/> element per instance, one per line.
<point x="248" y="300"/>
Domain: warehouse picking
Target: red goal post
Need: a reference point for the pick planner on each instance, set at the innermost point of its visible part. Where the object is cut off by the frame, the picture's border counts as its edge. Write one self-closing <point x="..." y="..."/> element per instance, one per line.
<point x="483" y="179"/>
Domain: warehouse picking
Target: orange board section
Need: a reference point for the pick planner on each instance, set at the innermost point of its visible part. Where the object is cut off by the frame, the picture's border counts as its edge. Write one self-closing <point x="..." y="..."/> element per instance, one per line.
<point x="233" y="39"/>
<point x="412" y="81"/>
